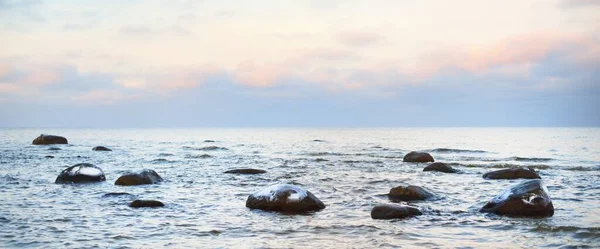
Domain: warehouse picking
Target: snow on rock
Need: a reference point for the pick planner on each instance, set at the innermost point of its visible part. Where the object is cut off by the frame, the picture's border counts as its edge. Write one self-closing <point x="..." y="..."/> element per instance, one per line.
<point x="285" y="198"/>
<point x="81" y="173"/>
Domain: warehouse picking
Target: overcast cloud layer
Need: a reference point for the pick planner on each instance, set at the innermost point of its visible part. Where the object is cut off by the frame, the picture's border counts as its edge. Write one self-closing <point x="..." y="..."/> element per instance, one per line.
<point x="299" y="63"/>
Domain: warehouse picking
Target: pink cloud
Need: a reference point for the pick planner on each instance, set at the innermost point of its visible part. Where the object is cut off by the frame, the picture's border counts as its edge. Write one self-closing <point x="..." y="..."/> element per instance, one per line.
<point x="258" y="75"/>
<point x="358" y="38"/>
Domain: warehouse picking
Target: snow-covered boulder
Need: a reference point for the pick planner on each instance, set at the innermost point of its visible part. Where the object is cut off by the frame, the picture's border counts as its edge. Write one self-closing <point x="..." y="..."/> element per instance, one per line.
<point x="528" y="198"/>
<point x="284" y="198"/>
<point x="81" y="173"/>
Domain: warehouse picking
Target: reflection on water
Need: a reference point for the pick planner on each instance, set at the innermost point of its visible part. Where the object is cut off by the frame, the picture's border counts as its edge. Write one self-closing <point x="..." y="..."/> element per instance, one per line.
<point x="348" y="169"/>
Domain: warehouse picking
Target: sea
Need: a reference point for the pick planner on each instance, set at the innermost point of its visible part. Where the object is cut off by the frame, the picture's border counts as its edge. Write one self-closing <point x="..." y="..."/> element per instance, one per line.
<point x="349" y="169"/>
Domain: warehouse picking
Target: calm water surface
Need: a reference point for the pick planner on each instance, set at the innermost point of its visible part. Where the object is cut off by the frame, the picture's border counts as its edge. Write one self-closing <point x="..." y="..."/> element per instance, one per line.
<point x="348" y="169"/>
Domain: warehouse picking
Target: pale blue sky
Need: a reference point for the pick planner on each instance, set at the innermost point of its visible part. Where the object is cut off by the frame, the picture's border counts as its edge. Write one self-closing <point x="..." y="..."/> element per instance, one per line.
<point x="299" y="63"/>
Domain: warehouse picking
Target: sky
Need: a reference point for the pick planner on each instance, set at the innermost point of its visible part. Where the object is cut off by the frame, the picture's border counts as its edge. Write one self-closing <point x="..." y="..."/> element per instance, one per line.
<point x="299" y="63"/>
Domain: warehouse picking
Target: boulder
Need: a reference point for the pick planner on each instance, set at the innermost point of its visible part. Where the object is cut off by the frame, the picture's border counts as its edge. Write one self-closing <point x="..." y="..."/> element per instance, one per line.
<point x="515" y="173"/>
<point x="284" y="198"/>
<point x="246" y="171"/>
<point x="49" y="156"/>
<point x="394" y="211"/>
<point x="101" y="148"/>
<point x="54" y="148"/>
<point x="49" y="139"/>
<point x="441" y="167"/>
<point x="418" y="157"/>
<point x="409" y="193"/>
<point x="528" y="198"/>
<point x="147" y="176"/>
<point x="81" y="173"/>
<point x="146" y="203"/>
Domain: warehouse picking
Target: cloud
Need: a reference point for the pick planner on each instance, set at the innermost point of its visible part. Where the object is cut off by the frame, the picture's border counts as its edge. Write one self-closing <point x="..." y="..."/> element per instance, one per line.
<point x="146" y="31"/>
<point x="358" y="38"/>
<point x="105" y="97"/>
<point x="580" y="3"/>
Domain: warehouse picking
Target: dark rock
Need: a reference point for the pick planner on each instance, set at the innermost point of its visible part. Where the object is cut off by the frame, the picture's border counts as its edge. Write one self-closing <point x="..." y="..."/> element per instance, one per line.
<point x="528" y="198"/>
<point x="246" y="171"/>
<point x="54" y="148"/>
<point x="81" y="173"/>
<point x="409" y="193"/>
<point x="209" y="141"/>
<point x="512" y="174"/>
<point x="441" y="167"/>
<point x="417" y="157"/>
<point x="147" y="176"/>
<point x="49" y="139"/>
<point x="101" y="148"/>
<point x="394" y="211"/>
<point x="284" y="198"/>
<point x="49" y="156"/>
<point x="117" y="194"/>
<point x="146" y="203"/>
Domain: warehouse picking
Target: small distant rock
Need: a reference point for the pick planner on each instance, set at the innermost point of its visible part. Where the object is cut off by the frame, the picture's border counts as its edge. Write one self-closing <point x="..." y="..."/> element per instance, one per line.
<point x="528" y="198"/>
<point x="515" y="173"/>
<point x="394" y="211"/>
<point x="418" y="157"/>
<point x="54" y="148"/>
<point x="441" y="167"/>
<point x="246" y="171"/>
<point x="117" y="194"/>
<point x="145" y="177"/>
<point x="49" y="156"/>
<point x="101" y="148"/>
<point x="209" y="141"/>
<point x="49" y="139"/>
<point x="146" y="203"/>
<point x="319" y="141"/>
<point x="81" y="173"/>
<point x="284" y="198"/>
<point x="409" y="193"/>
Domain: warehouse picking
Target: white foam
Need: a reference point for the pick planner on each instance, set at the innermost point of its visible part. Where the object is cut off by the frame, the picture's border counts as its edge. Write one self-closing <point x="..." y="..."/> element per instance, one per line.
<point x="89" y="171"/>
<point x="298" y="194"/>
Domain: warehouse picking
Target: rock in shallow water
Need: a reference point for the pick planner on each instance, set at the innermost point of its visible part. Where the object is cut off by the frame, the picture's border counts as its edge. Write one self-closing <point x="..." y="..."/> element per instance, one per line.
<point x="101" y="148"/>
<point x="394" y="211"/>
<point x="284" y="198"/>
<point x="147" y="176"/>
<point x="409" y="193"/>
<point x="146" y="203"/>
<point x="246" y="171"/>
<point x="117" y="194"/>
<point x="528" y="198"/>
<point x="417" y="157"/>
<point x="515" y="173"/>
<point x="81" y="173"/>
<point x="49" y="139"/>
<point x="440" y="167"/>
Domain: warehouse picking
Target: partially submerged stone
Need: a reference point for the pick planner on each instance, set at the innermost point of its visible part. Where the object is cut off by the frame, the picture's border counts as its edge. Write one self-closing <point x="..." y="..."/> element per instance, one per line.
<point x="528" y="198"/>
<point x="394" y="211"/>
<point x="101" y="148"/>
<point x="284" y="198"/>
<point x="440" y="167"/>
<point x="514" y="173"/>
<point x="246" y="171"/>
<point x="147" y="176"/>
<point x="81" y="173"/>
<point x="409" y="193"/>
<point x="417" y="157"/>
<point x="146" y="203"/>
<point x="49" y="139"/>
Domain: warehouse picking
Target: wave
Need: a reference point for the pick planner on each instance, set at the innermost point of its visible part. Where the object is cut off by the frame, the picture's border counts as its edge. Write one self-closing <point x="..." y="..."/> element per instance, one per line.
<point x="530" y="159"/>
<point x="198" y="156"/>
<point x="449" y="150"/>
<point x="206" y="148"/>
<point x="501" y="166"/>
